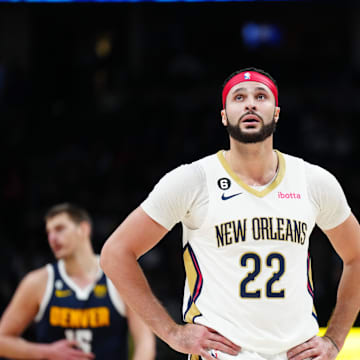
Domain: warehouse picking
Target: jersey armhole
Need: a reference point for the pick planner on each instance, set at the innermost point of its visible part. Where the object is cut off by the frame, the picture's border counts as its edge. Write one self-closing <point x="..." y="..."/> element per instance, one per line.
<point x="115" y="298"/>
<point x="47" y="295"/>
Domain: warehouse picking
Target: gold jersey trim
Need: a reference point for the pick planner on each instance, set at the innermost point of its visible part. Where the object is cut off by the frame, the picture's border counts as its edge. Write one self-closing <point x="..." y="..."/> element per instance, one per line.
<point x="194" y="279"/>
<point x="265" y="191"/>
<point x="194" y="357"/>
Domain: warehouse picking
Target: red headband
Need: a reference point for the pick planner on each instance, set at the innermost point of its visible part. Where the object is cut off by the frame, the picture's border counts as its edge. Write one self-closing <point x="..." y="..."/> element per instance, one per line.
<point x="249" y="76"/>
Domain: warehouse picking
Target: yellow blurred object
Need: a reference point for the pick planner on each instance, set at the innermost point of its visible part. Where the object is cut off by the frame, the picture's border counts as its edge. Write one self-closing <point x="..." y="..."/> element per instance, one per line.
<point x="351" y="349"/>
<point x="103" y="45"/>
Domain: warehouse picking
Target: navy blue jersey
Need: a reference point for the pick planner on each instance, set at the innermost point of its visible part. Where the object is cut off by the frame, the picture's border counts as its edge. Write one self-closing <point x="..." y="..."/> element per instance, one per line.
<point x="93" y="316"/>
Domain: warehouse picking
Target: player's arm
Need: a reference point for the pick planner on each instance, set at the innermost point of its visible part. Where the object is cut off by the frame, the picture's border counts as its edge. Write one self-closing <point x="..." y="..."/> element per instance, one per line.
<point x="143" y="337"/>
<point x="345" y="239"/>
<point x="134" y="237"/>
<point x="20" y="312"/>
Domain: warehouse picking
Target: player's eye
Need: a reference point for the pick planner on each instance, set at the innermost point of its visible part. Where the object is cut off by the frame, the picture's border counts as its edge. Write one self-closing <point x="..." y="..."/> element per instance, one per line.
<point x="239" y="97"/>
<point x="261" y="97"/>
<point x="59" y="228"/>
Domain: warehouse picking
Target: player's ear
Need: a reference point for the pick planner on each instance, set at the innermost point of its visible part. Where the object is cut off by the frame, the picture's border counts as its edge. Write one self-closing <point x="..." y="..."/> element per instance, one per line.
<point x="224" y="117"/>
<point x="85" y="228"/>
<point x="277" y="113"/>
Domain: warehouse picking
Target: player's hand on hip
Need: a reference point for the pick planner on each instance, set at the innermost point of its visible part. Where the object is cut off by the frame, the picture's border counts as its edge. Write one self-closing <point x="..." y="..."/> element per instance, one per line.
<point x="317" y="348"/>
<point x="67" y="350"/>
<point x="198" y="340"/>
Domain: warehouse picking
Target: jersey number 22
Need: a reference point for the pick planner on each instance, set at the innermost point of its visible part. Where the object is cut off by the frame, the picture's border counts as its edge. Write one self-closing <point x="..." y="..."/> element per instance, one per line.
<point x="272" y="260"/>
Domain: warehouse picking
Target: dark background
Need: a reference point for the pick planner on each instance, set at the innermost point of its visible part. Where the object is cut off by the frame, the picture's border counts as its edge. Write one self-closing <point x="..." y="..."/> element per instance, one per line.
<point x="98" y="101"/>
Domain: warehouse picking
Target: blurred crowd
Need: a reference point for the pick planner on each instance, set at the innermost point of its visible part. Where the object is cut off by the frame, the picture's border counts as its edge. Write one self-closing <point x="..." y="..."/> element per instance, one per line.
<point x="98" y="102"/>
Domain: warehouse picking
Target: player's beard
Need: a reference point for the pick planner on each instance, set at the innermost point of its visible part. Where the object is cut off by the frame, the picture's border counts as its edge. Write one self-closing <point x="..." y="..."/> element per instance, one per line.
<point x="247" y="138"/>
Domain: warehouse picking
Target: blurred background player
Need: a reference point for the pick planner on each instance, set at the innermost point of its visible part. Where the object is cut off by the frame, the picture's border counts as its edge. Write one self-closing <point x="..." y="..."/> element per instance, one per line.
<point x="78" y="314"/>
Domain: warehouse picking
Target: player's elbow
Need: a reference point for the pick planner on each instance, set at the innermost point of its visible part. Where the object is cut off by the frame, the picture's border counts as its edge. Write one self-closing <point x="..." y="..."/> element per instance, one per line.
<point x="103" y="258"/>
<point x="107" y="255"/>
<point x="112" y="255"/>
<point x="146" y="347"/>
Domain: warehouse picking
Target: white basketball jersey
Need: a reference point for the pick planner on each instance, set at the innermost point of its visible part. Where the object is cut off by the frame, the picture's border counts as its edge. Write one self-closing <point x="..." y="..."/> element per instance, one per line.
<point x="247" y="266"/>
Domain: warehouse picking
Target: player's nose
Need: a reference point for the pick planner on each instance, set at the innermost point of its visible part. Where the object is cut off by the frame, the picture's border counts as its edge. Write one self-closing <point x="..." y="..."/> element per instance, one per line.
<point x="250" y="103"/>
<point x="51" y="237"/>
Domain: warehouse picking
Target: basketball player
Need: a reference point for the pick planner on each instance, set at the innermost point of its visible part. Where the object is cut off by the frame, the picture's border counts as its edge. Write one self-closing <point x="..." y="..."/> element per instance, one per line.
<point x="77" y="311"/>
<point x="247" y="214"/>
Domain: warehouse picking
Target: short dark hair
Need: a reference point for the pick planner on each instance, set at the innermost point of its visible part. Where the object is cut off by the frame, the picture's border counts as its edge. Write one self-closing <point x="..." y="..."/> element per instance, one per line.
<point x="76" y="213"/>
<point x="260" y="71"/>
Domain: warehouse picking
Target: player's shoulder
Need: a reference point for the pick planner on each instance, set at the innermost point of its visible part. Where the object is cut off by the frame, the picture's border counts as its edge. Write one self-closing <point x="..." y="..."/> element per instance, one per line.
<point x="290" y="159"/>
<point x="201" y="164"/>
<point x="33" y="284"/>
<point x="36" y="277"/>
<point x="313" y="171"/>
<point x="193" y="170"/>
<point x="317" y="173"/>
<point x="319" y="178"/>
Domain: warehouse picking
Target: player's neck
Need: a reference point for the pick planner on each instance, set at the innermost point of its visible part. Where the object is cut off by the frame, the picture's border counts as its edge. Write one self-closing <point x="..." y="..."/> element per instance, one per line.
<point x="82" y="267"/>
<point x="255" y="164"/>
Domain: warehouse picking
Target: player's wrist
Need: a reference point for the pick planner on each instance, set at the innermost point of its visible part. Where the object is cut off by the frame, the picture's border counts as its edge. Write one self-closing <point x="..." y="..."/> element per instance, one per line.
<point x="173" y="333"/>
<point x="44" y="351"/>
<point x="333" y="342"/>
